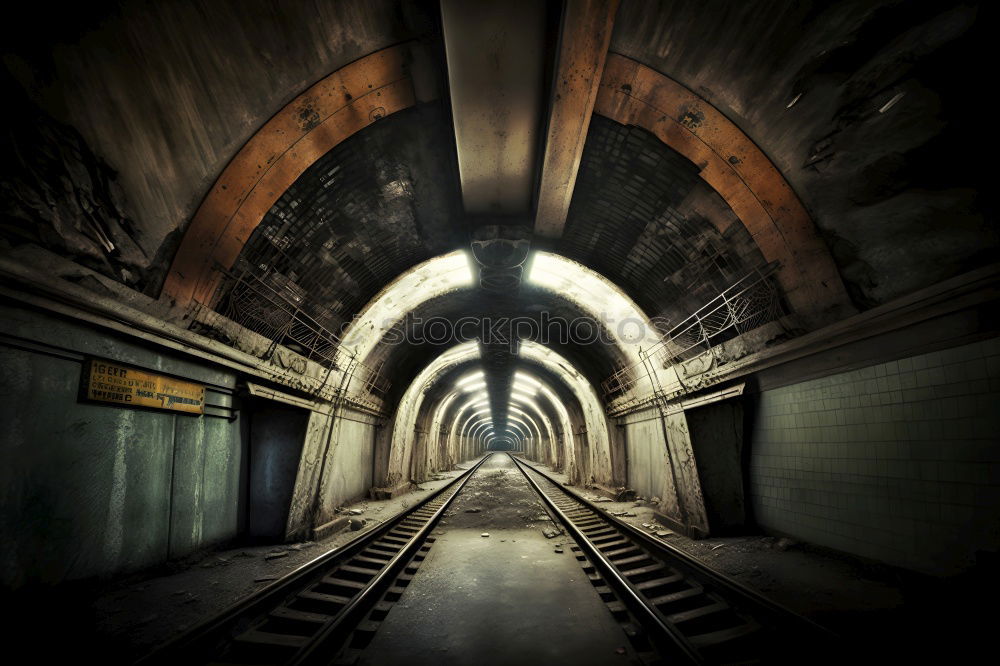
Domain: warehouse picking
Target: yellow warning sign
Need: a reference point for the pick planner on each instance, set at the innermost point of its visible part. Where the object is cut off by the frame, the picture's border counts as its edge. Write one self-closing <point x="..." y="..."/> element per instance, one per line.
<point x="122" y="385"/>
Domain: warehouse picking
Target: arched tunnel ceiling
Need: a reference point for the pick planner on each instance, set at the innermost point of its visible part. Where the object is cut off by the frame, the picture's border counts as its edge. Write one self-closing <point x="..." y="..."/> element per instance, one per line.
<point x="595" y="361"/>
<point x="186" y="86"/>
<point x="372" y="207"/>
<point x="641" y="216"/>
<point x="870" y="109"/>
<point x="856" y="103"/>
<point x="439" y="380"/>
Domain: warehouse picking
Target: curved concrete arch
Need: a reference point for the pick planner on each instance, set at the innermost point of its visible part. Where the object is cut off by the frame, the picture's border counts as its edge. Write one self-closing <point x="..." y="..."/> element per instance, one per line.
<point x="472" y="422"/>
<point x="307" y="128"/>
<point x="549" y="451"/>
<point x="479" y="427"/>
<point x="445" y="457"/>
<point x="405" y="421"/>
<point x="481" y="430"/>
<point x="596" y="298"/>
<point x="633" y="94"/>
<point x="425" y="281"/>
<point x="540" y="435"/>
<point x="594" y="422"/>
<point x="592" y="443"/>
<point x="630" y="329"/>
<point x="520" y="416"/>
<point x="595" y="453"/>
<point x="542" y="416"/>
<point x="504" y="438"/>
<point x="519" y="424"/>
<point x="455" y="438"/>
<point x="451" y="415"/>
<point x="554" y="459"/>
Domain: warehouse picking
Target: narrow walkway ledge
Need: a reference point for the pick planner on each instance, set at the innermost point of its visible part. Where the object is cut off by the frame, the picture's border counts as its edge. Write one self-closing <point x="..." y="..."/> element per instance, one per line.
<point x="192" y="591"/>
<point x="495" y="590"/>
<point x="875" y="607"/>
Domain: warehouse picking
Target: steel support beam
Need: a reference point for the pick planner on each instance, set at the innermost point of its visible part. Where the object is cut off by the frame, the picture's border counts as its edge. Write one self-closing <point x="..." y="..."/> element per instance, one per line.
<point x="584" y="37"/>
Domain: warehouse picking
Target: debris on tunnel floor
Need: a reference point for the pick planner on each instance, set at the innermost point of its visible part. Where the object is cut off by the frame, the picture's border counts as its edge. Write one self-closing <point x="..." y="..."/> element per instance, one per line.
<point x="477" y="603"/>
<point x="229" y="575"/>
<point x="273" y="274"/>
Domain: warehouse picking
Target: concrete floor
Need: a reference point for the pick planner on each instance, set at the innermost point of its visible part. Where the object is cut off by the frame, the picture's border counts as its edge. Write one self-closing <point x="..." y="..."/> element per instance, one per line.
<point x="508" y="598"/>
<point x="886" y="614"/>
<point x="125" y="618"/>
<point x="870" y="603"/>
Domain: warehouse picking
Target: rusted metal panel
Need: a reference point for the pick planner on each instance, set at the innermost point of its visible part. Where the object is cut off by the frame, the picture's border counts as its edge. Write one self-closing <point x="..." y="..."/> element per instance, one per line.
<point x="633" y="94"/>
<point x="585" y="35"/>
<point x="343" y="103"/>
<point x="685" y="475"/>
<point x="112" y="383"/>
<point x="496" y="52"/>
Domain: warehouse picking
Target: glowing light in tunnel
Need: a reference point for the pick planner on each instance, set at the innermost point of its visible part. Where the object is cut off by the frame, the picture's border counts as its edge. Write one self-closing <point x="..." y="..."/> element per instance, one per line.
<point x="412" y="402"/>
<point x="513" y="431"/>
<point x="469" y="388"/>
<point x="524" y="401"/>
<point x="476" y="429"/>
<point x="526" y="384"/>
<point x="526" y="420"/>
<point x="518" y="406"/>
<point x="521" y="426"/>
<point x="481" y="423"/>
<point x="470" y="378"/>
<point x="472" y="419"/>
<point x="592" y="408"/>
<point x="439" y="275"/>
<point x="474" y="402"/>
<point x="481" y="430"/>
<point x="521" y="376"/>
<point x="599" y="297"/>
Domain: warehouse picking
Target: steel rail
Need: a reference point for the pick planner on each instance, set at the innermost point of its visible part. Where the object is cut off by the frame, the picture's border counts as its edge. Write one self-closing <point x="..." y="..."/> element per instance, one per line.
<point x="678" y="646"/>
<point x="319" y="650"/>
<point x="201" y="643"/>
<point x="794" y="628"/>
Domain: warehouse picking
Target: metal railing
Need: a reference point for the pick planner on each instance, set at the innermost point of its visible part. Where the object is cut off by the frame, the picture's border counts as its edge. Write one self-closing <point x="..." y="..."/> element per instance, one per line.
<point x="259" y="307"/>
<point x="375" y="380"/>
<point x="256" y="318"/>
<point x="620" y="382"/>
<point x="749" y="303"/>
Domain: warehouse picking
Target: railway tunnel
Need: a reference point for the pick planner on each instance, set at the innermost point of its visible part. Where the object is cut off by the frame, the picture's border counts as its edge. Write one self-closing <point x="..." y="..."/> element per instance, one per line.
<point x="415" y="331"/>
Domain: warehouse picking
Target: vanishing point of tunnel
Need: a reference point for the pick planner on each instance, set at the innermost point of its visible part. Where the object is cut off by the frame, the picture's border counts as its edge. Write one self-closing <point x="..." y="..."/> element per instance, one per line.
<point x="499" y="332"/>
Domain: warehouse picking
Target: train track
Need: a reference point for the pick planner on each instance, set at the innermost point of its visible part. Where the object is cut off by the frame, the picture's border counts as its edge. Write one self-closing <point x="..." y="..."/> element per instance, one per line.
<point x="334" y="601"/>
<point x="691" y="614"/>
<point x="673" y="608"/>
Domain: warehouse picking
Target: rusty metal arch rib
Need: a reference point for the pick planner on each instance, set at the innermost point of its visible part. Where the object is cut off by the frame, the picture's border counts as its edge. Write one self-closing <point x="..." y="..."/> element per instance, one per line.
<point x="326" y="114"/>
<point x="634" y="94"/>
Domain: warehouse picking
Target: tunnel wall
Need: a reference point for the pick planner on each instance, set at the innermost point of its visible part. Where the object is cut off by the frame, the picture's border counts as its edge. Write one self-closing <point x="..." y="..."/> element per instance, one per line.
<point x="897" y="461"/>
<point x="92" y="489"/>
<point x="648" y="460"/>
<point x="716" y="432"/>
<point x="276" y="436"/>
<point x="661" y="464"/>
<point x="335" y="468"/>
<point x="351" y="466"/>
<point x="190" y="79"/>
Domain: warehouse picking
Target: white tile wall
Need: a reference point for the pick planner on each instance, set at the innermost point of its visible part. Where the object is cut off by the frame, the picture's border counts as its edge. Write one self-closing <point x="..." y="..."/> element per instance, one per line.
<point x="899" y="462"/>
